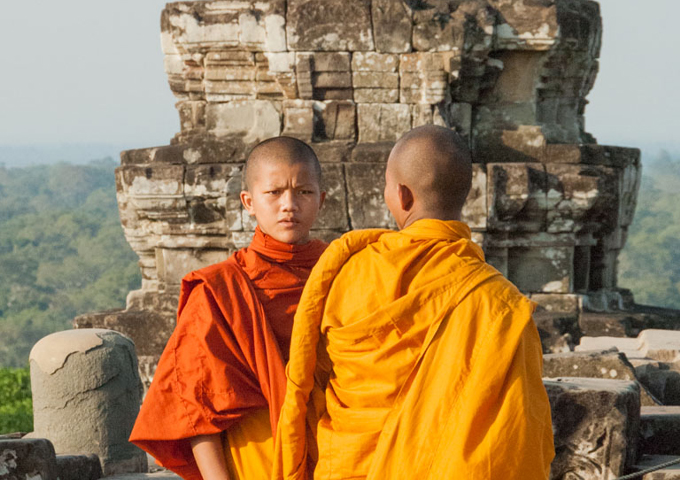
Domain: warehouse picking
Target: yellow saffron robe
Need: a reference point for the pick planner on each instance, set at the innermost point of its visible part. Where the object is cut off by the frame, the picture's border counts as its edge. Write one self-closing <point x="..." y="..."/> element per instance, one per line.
<point x="411" y="358"/>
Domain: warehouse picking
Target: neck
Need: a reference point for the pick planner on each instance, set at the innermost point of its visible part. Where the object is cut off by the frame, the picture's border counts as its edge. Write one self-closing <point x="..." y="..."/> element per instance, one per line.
<point x="414" y="216"/>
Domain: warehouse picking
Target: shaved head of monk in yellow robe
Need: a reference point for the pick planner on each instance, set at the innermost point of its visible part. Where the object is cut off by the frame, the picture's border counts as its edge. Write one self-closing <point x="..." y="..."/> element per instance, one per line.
<point x="411" y="358"/>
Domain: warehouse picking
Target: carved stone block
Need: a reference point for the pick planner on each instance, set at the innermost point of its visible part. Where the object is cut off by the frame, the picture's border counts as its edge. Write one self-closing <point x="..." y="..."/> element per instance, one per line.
<point x="28" y="458"/>
<point x="434" y="28"/>
<point x="541" y="269"/>
<point x="384" y="80"/>
<point x="380" y="122"/>
<point x="375" y="95"/>
<point x="253" y="120"/>
<point x="335" y="152"/>
<point x="324" y="75"/>
<point x="154" y="191"/>
<point x="610" y="364"/>
<point x="423" y="77"/>
<point x="315" y="26"/>
<point x="333" y="215"/>
<point x="298" y="119"/>
<point x="475" y="208"/>
<point x="580" y="196"/>
<point x="392" y="26"/>
<point x="595" y="423"/>
<point x="659" y="430"/>
<point x="374" y="62"/>
<point x="173" y="264"/>
<point x="365" y="185"/>
<point x="78" y="467"/>
<point x="559" y="331"/>
<point x="372" y="152"/>
<point x="517" y="197"/>
<point x="335" y="120"/>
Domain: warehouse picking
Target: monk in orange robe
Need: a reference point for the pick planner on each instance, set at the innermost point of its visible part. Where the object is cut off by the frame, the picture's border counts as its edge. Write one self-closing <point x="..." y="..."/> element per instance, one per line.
<point x="411" y="358"/>
<point x="213" y="405"/>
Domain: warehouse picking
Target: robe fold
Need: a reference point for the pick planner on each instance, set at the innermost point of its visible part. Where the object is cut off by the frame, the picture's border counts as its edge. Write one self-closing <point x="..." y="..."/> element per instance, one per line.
<point x="223" y="368"/>
<point x="413" y="358"/>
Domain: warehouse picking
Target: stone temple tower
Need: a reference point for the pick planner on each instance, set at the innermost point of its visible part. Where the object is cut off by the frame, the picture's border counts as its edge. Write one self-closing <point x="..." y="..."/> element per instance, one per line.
<point x="550" y="206"/>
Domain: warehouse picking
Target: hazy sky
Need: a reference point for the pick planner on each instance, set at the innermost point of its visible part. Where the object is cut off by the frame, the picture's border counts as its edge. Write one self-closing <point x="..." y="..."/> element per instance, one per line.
<point x="637" y="92"/>
<point x="84" y="71"/>
<point x="89" y="71"/>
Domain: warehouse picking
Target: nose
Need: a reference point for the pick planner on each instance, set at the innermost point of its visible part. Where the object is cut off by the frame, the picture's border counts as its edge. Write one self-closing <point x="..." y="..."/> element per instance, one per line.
<point x="289" y="201"/>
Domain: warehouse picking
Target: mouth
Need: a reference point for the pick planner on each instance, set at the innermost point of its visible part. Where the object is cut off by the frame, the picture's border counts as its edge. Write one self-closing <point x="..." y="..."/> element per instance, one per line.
<point x="288" y="222"/>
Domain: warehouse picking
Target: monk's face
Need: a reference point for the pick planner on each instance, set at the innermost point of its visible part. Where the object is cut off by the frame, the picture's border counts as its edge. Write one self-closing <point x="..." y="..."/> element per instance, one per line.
<point x="285" y="198"/>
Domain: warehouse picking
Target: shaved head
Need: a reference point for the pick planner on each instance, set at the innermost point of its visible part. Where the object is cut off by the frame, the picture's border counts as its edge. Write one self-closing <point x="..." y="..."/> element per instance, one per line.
<point x="434" y="163"/>
<point x="279" y="149"/>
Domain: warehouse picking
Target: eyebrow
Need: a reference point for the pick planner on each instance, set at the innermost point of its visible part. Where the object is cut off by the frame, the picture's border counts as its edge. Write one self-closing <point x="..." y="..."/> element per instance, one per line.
<point x="269" y="186"/>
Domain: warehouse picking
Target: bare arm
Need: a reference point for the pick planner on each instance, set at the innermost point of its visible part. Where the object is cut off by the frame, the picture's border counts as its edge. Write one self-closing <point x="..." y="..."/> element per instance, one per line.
<point x="209" y="454"/>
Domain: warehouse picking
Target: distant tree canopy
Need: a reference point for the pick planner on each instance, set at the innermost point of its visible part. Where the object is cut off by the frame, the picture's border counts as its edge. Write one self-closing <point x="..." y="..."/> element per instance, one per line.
<point x="650" y="263"/>
<point x="62" y="251"/>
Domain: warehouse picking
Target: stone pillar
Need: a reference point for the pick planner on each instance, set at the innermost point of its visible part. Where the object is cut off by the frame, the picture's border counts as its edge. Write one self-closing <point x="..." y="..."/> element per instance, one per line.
<point x="86" y="396"/>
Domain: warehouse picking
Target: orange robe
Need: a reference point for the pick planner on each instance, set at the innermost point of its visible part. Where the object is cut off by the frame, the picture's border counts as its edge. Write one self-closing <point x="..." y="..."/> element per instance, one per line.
<point x="223" y="367"/>
<point x="413" y="358"/>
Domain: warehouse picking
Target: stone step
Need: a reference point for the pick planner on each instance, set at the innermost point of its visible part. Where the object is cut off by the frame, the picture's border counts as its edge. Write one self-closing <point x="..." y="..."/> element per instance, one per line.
<point x="655" y="354"/>
<point x="661" y="345"/>
<point x="164" y="475"/>
<point x="610" y="364"/>
<point x="78" y="467"/>
<point x="628" y="346"/>
<point x="629" y="322"/>
<point x="659" y="427"/>
<point x="649" y="461"/>
<point x="27" y="458"/>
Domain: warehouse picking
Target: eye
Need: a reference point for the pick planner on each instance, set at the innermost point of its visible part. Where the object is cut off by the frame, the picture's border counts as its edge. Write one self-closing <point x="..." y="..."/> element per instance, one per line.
<point x="272" y="192"/>
<point x="306" y="192"/>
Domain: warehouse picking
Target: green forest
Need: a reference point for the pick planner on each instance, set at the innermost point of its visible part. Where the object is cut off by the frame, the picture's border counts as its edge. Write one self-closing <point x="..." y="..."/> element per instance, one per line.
<point x="650" y="263"/>
<point x="62" y="250"/>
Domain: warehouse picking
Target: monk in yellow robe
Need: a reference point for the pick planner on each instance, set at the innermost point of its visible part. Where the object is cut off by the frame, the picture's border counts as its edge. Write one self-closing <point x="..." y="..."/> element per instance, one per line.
<point x="411" y="358"/>
<point x="212" y="408"/>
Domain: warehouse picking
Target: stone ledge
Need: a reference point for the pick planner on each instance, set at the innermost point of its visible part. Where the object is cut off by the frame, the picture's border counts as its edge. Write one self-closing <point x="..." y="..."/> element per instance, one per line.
<point x="659" y="427"/>
<point x="165" y="475"/>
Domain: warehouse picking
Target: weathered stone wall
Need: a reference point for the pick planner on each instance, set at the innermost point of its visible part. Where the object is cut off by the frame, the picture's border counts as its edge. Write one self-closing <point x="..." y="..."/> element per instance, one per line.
<point x="550" y="207"/>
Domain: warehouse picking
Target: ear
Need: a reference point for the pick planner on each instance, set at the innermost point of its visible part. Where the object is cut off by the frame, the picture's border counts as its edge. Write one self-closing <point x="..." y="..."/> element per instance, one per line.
<point x="405" y="197"/>
<point x="247" y="201"/>
<point x="321" y="199"/>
